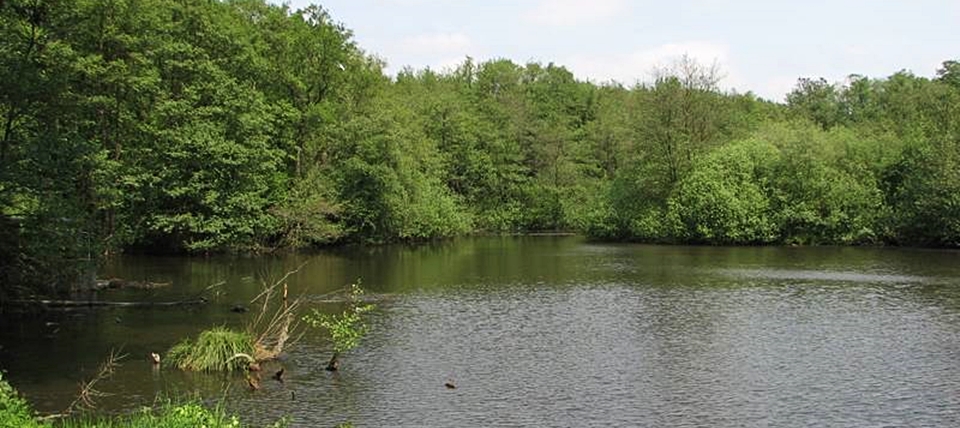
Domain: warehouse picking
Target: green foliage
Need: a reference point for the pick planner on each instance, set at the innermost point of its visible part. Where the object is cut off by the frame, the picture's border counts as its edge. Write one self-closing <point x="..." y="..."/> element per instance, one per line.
<point x="214" y="126"/>
<point x="821" y="196"/>
<point x="347" y="328"/>
<point x="950" y="73"/>
<point x="217" y="349"/>
<point x="310" y="214"/>
<point x="725" y="200"/>
<point x="924" y="194"/>
<point x="818" y="101"/>
<point x="637" y="204"/>
<point x="166" y="416"/>
<point x="14" y="410"/>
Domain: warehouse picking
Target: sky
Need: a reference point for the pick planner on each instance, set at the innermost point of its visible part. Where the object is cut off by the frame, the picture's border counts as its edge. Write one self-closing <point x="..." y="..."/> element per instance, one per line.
<point x="762" y="46"/>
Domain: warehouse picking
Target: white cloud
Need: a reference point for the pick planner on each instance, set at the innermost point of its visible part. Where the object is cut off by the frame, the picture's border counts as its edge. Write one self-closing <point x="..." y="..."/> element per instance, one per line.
<point x="448" y="64"/>
<point x="437" y="51"/>
<point x="856" y="50"/>
<point x="575" y="12"/>
<point x="638" y="66"/>
<point x="777" y="88"/>
<point x="436" y="44"/>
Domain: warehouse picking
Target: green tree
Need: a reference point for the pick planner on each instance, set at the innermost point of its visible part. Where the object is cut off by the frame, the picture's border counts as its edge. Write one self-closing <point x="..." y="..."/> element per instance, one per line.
<point x="817" y="100"/>
<point x="949" y="73"/>
<point x="726" y="198"/>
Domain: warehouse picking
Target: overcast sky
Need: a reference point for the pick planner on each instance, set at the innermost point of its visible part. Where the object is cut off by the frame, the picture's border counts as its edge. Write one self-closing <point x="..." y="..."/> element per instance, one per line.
<point x="762" y="45"/>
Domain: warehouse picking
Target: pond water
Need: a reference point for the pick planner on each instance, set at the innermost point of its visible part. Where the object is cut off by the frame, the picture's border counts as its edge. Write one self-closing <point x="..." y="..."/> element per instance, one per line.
<point x="547" y="331"/>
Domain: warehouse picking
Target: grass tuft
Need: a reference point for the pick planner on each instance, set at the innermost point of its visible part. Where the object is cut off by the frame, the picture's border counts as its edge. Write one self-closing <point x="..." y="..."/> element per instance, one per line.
<point x="216" y="349"/>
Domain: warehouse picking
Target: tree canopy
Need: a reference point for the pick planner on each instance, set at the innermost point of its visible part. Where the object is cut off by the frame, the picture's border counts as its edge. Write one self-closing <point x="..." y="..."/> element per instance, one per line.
<point x="205" y="126"/>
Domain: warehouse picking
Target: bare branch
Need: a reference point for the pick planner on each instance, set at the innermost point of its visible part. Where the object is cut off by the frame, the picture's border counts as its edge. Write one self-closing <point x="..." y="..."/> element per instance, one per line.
<point x="87" y="398"/>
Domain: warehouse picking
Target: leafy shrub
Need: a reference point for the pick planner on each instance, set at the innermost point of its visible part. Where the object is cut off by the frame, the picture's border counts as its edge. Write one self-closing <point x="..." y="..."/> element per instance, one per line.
<point x="724" y="199"/>
<point x="346" y="328"/>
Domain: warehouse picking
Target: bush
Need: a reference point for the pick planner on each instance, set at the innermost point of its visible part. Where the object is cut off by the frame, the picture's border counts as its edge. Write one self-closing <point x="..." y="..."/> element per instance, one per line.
<point x="346" y="328"/>
<point x="724" y="199"/>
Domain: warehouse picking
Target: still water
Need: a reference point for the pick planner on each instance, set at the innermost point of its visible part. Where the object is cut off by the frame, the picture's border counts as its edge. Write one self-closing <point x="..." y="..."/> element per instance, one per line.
<point x="548" y="331"/>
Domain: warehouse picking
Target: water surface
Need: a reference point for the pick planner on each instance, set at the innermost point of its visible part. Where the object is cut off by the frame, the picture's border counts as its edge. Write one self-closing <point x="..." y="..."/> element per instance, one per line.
<point x="550" y="331"/>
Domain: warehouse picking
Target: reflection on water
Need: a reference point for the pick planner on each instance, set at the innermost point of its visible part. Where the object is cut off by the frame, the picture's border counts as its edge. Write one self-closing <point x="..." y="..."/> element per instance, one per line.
<point x="551" y="331"/>
<point x="822" y="275"/>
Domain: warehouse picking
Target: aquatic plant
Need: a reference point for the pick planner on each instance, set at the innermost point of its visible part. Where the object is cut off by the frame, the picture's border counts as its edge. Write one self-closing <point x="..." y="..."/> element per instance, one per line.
<point x="346" y="328"/>
<point x="217" y="349"/>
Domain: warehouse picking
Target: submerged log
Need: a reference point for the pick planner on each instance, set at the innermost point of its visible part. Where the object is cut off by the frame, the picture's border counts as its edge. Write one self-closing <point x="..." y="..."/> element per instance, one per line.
<point x="118" y="283"/>
<point x="101" y="304"/>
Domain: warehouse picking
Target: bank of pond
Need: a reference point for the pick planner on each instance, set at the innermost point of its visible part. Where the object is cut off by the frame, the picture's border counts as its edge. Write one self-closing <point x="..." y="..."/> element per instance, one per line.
<point x="15" y="412"/>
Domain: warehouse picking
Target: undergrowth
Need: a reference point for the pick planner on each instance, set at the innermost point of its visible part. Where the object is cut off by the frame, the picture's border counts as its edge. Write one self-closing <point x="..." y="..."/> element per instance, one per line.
<point x="15" y="412"/>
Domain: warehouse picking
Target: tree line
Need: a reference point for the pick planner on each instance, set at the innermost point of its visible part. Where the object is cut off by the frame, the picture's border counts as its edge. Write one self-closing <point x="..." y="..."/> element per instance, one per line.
<point x="170" y="126"/>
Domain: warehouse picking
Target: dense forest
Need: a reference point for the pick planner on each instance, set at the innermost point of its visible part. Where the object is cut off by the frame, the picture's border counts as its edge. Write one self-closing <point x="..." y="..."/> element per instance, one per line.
<point x="200" y="126"/>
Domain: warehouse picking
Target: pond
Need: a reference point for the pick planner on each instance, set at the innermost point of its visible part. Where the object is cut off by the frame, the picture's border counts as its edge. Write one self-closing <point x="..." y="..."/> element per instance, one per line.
<point x="546" y="331"/>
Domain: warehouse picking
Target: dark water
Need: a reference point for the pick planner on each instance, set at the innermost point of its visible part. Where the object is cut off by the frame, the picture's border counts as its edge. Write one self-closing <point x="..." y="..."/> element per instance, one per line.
<point x="551" y="331"/>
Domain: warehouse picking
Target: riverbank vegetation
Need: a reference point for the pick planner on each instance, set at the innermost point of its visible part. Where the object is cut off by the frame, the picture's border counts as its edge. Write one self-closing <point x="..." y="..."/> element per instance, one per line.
<point x="208" y="126"/>
<point x="15" y="412"/>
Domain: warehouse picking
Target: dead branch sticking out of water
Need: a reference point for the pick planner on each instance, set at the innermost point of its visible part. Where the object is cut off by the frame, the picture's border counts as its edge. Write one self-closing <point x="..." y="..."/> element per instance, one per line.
<point x="87" y="398"/>
<point x="273" y="332"/>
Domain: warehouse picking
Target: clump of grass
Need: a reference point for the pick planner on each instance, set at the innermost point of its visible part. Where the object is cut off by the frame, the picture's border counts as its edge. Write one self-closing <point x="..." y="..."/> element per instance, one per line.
<point x="222" y="349"/>
<point x="217" y="349"/>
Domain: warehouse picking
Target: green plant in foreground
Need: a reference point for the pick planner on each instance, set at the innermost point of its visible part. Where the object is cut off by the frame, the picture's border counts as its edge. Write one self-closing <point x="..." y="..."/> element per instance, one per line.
<point x="14" y="410"/>
<point x="184" y="415"/>
<point x="346" y="328"/>
<point x="216" y="349"/>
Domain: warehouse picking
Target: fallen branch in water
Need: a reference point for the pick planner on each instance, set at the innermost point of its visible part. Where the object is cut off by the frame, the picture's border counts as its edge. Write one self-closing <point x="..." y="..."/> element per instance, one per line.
<point x="100" y="303"/>
<point x="118" y="283"/>
<point x="86" y="399"/>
